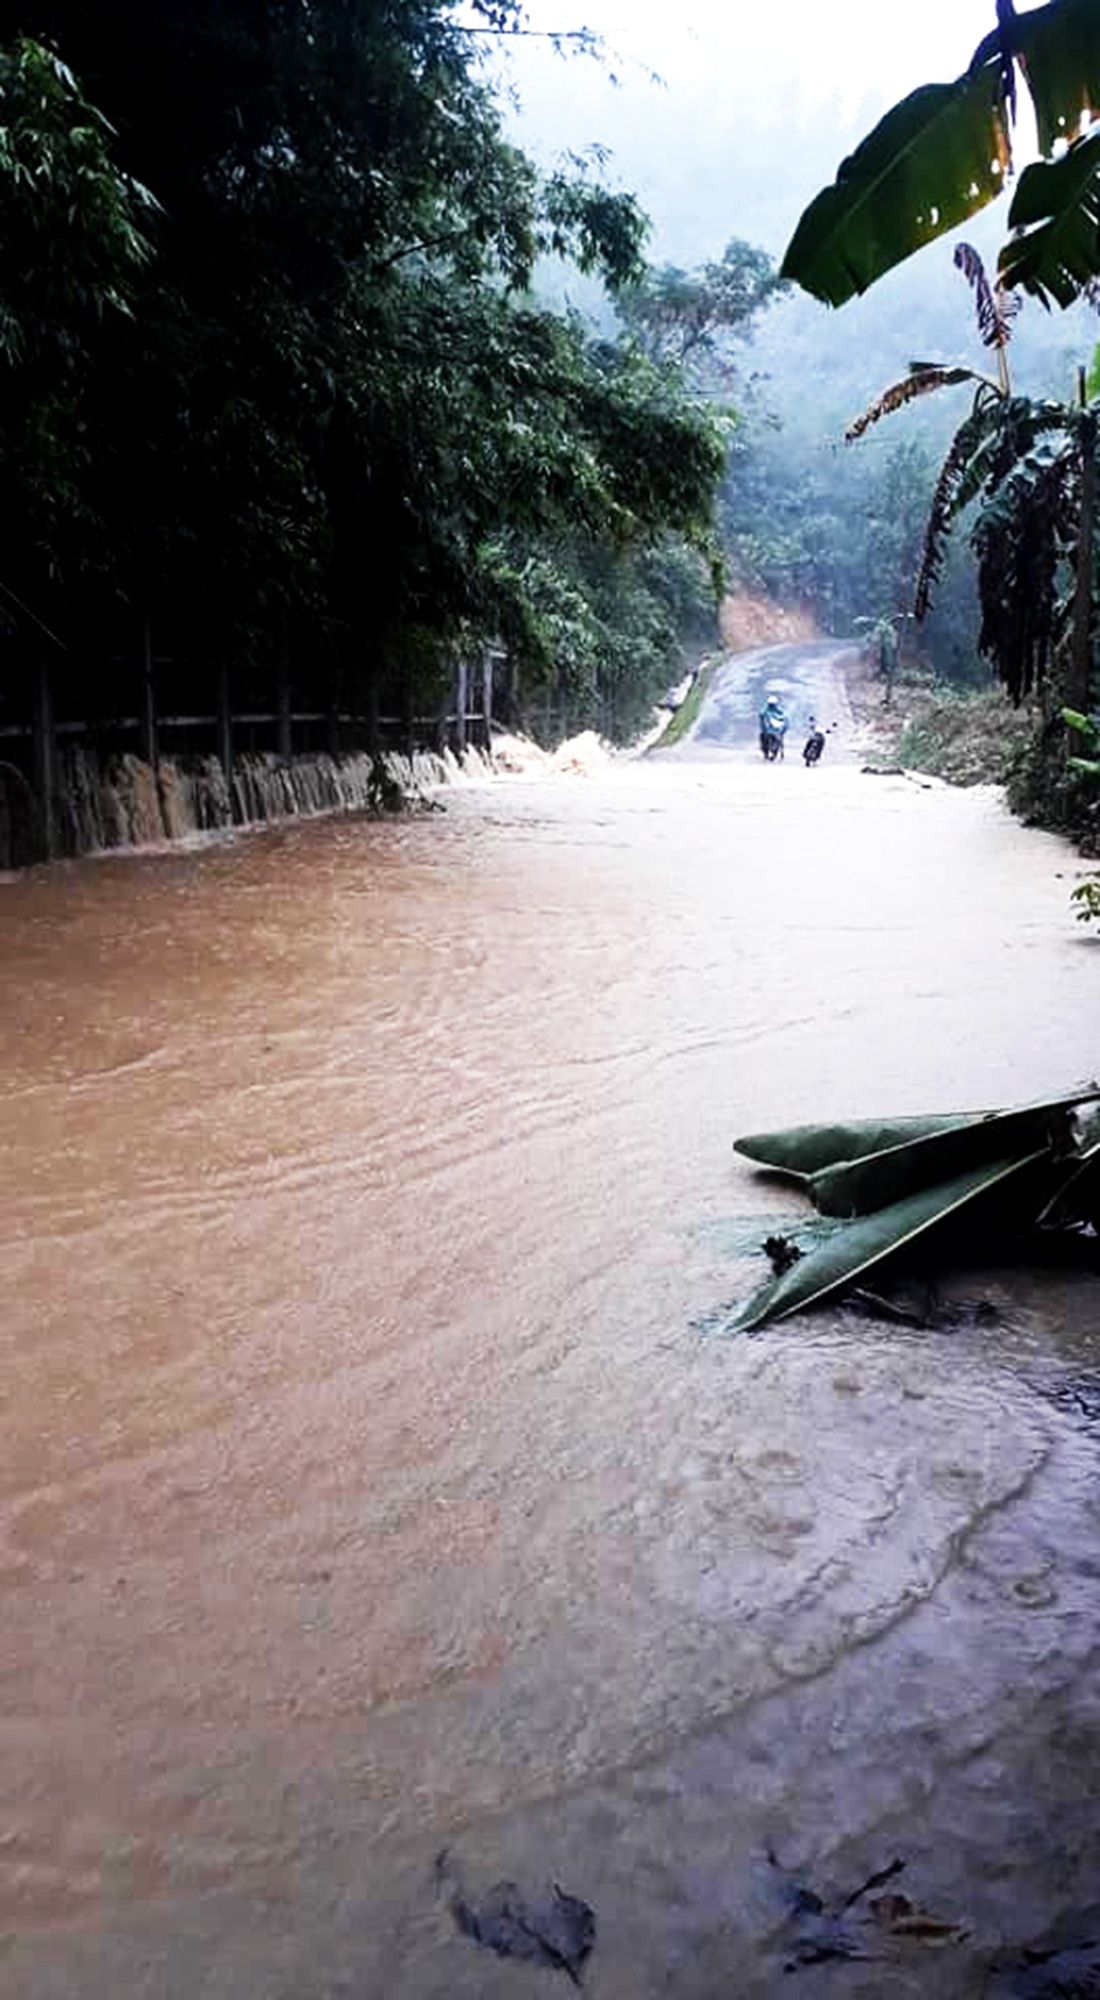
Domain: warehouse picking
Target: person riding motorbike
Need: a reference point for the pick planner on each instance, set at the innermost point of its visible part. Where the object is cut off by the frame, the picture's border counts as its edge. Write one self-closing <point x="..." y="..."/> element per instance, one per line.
<point x="773" y="727"/>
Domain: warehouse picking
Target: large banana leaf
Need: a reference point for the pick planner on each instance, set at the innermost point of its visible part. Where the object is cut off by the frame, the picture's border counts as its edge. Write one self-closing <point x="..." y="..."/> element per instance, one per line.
<point x="1056" y="211"/>
<point x="802" y="1150"/>
<point x="936" y="158"/>
<point x="1060" y="48"/>
<point x="855" y="1187"/>
<point x="847" y="1254"/>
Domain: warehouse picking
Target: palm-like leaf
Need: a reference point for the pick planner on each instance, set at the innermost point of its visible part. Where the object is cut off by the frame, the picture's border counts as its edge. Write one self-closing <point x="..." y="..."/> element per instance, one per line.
<point x="935" y="159"/>
<point x="923" y="378"/>
<point x="1056" y="213"/>
<point x="996" y="437"/>
<point x="1022" y="535"/>
<point x="946" y="502"/>
<point x="1011" y="431"/>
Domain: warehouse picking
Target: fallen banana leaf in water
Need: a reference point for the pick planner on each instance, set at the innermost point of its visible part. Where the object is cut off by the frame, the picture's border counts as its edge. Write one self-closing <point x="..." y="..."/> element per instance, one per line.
<point x="802" y="1150"/>
<point x="856" y="1187"/>
<point x="848" y="1253"/>
<point x="557" y="1931"/>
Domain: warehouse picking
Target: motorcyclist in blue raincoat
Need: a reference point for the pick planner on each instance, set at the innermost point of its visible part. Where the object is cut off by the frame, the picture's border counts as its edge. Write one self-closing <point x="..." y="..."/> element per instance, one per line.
<point x="773" y="727"/>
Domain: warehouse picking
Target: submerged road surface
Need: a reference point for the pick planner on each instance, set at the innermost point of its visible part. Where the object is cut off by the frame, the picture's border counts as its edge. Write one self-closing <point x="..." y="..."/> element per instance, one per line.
<point x="379" y="1472"/>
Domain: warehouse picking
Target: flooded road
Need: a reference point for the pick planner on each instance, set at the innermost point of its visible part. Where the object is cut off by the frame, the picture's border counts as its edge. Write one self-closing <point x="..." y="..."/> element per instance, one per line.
<point x="378" y="1474"/>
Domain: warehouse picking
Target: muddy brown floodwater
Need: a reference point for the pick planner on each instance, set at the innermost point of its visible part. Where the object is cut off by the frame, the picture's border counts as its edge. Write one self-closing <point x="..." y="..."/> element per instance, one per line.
<point x="378" y="1474"/>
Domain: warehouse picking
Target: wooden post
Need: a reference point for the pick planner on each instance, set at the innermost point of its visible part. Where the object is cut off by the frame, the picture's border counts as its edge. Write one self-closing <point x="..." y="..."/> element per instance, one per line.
<point x="44" y="751"/>
<point x="225" y="725"/>
<point x="284" y="739"/>
<point x="147" y="705"/>
<point x="487" y="699"/>
<point x="462" y="677"/>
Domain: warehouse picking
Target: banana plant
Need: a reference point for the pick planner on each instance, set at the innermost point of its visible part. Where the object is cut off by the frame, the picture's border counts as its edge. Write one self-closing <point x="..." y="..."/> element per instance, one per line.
<point x="946" y="151"/>
<point x="1026" y="460"/>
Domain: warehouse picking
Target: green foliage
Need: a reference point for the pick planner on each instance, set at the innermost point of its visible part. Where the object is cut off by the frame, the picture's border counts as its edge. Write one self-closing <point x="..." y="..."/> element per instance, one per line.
<point x="1087" y="726"/>
<point x="1087" y="892"/>
<point x="71" y="226"/>
<point x="967" y="737"/>
<point x="1087" y="895"/>
<point x="946" y="151"/>
<point x="304" y="398"/>
<point x="1021" y="459"/>
<point x="933" y="161"/>
<point x="690" y="317"/>
<point x="1054" y="217"/>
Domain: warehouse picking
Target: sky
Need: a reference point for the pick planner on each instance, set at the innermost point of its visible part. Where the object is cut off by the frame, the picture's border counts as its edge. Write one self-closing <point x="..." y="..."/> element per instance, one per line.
<point x="756" y="106"/>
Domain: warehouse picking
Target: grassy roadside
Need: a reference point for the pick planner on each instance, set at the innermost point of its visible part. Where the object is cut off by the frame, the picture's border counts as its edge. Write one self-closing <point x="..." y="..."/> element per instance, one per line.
<point x="683" y="719"/>
<point x="973" y="737"/>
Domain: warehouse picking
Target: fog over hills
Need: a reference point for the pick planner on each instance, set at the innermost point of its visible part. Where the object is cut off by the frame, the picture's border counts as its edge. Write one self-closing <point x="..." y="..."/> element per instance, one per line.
<point x="724" y="128"/>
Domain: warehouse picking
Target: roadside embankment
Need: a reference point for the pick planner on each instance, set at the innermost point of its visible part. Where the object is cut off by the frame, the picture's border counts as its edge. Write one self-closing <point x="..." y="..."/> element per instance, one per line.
<point x="967" y="737"/>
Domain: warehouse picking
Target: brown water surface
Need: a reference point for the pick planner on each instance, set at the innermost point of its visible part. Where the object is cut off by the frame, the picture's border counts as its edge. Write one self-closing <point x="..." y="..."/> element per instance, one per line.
<point x="377" y="1472"/>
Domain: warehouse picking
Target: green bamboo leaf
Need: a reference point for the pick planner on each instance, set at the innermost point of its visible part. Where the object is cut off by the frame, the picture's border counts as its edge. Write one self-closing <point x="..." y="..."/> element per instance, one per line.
<point x="1060" y="48"/>
<point x="1056" y="216"/>
<point x="845" y="1256"/>
<point x="801" y="1150"/>
<point x="855" y="1187"/>
<point x="936" y="158"/>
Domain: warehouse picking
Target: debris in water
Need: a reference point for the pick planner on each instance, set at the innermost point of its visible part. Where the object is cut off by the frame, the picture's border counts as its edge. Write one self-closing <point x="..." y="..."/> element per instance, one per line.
<point x="781" y="1252"/>
<point x="1070" y="1973"/>
<point x="823" y="1934"/>
<point x="843" y="1931"/>
<point x="557" y="1930"/>
<point x="903" y="1919"/>
<point x="876" y="1881"/>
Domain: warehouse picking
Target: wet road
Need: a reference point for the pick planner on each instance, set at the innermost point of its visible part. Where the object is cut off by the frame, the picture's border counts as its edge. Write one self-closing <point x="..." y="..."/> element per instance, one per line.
<point x="378" y="1472"/>
<point x="809" y="679"/>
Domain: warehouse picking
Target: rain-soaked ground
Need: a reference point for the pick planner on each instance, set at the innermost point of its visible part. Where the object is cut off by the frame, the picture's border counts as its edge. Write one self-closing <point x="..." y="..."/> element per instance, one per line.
<point x="380" y="1475"/>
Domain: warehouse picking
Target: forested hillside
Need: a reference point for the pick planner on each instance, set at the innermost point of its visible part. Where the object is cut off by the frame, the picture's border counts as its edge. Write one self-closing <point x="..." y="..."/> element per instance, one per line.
<point x="278" y="396"/>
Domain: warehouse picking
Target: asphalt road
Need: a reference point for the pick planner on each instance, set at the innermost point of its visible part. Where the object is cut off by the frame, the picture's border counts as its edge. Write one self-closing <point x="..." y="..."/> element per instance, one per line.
<point x="808" y="676"/>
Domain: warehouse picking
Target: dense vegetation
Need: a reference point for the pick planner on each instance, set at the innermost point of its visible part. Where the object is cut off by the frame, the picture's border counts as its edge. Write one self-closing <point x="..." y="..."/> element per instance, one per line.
<point x="276" y="386"/>
<point x="1025" y="465"/>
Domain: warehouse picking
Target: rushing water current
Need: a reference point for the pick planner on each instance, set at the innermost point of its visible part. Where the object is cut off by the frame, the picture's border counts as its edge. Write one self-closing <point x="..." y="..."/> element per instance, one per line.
<point x="379" y="1472"/>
